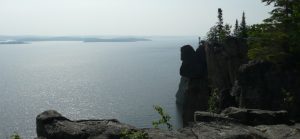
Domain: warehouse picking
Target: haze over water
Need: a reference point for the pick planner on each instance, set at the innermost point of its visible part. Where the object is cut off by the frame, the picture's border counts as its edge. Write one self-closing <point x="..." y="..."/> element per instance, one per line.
<point x="89" y="81"/>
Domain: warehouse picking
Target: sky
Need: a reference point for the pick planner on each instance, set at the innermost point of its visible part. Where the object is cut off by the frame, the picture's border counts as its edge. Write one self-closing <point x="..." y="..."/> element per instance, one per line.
<point x="123" y="17"/>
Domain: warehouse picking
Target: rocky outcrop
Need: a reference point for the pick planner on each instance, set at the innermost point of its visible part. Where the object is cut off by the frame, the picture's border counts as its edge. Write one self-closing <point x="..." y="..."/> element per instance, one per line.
<point x="256" y="89"/>
<point x="221" y="130"/>
<point x="202" y="116"/>
<point x="250" y="117"/>
<point x="196" y="97"/>
<point x="256" y="116"/>
<point x="190" y="66"/>
<point x="262" y="85"/>
<point x="193" y="89"/>
<point x="280" y="131"/>
<point x="192" y="95"/>
<point x="52" y="125"/>
<point x="225" y="67"/>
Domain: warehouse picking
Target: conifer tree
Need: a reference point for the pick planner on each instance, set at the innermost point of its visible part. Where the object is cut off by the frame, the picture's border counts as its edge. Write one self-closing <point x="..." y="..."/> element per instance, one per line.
<point x="243" y="27"/>
<point x="236" y="28"/>
<point x="220" y="27"/>
<point x="278" y="37"/>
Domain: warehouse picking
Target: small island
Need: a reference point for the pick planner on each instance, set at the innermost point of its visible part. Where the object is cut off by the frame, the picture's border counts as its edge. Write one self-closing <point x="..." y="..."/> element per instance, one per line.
<point x="12" y="42"/>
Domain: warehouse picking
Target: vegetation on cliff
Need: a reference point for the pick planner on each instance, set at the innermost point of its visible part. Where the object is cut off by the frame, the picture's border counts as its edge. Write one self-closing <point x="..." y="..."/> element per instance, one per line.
<point x="275" y="40"/>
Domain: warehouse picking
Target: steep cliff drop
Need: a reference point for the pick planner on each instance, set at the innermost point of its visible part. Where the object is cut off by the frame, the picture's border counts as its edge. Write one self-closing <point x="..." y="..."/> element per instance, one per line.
<point x="193" y="89"/>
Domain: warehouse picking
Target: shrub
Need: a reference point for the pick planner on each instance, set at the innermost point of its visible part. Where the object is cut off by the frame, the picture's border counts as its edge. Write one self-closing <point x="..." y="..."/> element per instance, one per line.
<point x="15" y="136"/>
<point x="133" y="134"/>
<point x="213" y="101"/>
<point x="164" y="120"/>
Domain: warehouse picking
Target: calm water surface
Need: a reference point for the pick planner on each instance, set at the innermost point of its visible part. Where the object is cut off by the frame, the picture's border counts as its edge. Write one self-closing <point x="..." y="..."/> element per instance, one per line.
<point x="88" y="80"/>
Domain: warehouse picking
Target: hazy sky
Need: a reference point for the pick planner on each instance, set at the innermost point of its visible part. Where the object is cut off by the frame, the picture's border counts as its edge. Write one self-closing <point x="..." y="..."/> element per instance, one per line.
<point x="122" y="17"/>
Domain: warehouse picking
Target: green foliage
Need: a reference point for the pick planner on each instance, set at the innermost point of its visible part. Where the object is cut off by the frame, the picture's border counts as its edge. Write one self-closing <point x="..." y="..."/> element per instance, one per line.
<point x="212" y="35"/>
<point x="265" y="43"/>
<point x="164" y="120"/>
<point x="220" y="26"/>
<point x="15" y="136"/>
<point x="138" y="134"/>
<point x="288" y="99"/>
<point x="227" y="30"/>
<point x="243" y="28"/>
<point x="219" y="32"/>
<point x="133" y="134"/>
<point x="213" y="101"/>
<point x="236" y="29"/>
<point x="277" y="39"/>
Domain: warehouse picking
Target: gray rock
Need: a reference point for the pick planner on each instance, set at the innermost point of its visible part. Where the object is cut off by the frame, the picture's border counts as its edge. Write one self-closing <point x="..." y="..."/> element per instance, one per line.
<point x="264" y="85"/>
<point x="221" y="130"/>
<point x="193" y="89"/>
<point x="182" y="89"/>
<point x="280" y="131"/>
<point x="201" y="116"/>
<point x="196" y="96"/>
<point x="164" y="134"/>
<point x="51" y="125"/>
<point x="256" y="116"/>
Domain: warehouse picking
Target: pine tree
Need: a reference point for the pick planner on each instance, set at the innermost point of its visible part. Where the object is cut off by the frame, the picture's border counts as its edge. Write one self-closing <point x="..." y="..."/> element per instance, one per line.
<point x="219" y="32"/>
<point x="227" y="30"/>
<point x="220" y="27"/>
<point x="236" y="28"/>
<point x="243" y="27"/>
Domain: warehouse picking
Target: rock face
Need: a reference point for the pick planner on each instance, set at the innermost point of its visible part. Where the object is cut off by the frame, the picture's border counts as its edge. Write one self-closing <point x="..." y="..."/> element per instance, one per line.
<point x="52" y="125"/>
<point x="191" y="66"/>
<point x="196" y="96"/>
<point x="250" y="117"/>
<point x="256" y="91"/>
<point x="192" y="95"/>
<point x="210" y="66"/>
<point x="193" y="89"/>
<point x="223" y="62"/>
<point x="240" y="83"/>
<point x="262" y="85"/>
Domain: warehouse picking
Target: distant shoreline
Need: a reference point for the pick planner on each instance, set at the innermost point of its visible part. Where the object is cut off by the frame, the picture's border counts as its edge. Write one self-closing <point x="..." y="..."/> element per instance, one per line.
<point x="26" y="39"/>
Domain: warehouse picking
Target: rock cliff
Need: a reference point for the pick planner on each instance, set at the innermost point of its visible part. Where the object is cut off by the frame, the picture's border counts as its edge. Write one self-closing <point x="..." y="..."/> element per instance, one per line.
<point x="193" y="89"/>
<point x="240" y="83"/>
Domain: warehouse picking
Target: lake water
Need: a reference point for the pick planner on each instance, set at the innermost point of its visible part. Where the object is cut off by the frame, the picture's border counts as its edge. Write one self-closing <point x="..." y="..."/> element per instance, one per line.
<point x="89" y="81"/>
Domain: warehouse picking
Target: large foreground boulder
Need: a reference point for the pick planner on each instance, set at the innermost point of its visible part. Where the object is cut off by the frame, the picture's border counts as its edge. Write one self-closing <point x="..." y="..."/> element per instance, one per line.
<point x="52" y="125"/>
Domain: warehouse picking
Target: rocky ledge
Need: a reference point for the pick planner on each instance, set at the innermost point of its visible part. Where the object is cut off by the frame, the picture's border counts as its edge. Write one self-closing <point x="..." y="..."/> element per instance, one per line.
<point x="232" y="123"/>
